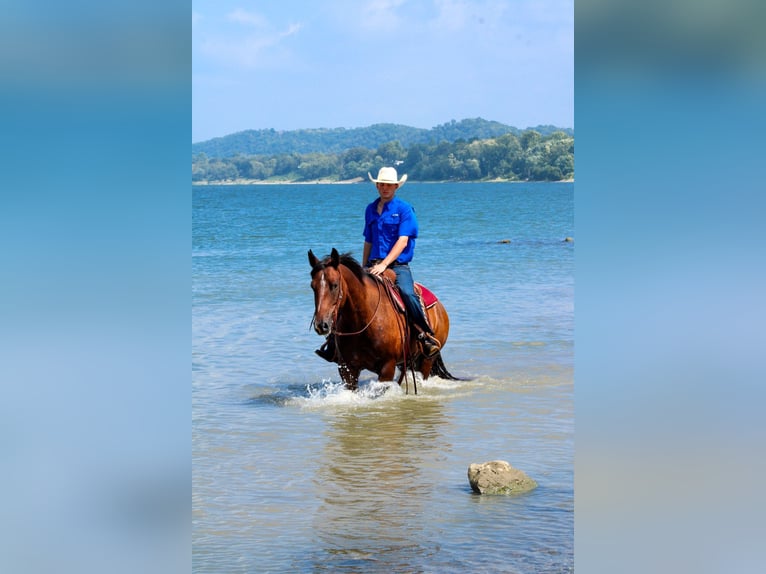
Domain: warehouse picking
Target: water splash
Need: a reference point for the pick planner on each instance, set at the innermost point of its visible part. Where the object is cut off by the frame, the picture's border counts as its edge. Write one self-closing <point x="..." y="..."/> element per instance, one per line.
<point x="332" y="393"/>
<point x="335" y="394"/>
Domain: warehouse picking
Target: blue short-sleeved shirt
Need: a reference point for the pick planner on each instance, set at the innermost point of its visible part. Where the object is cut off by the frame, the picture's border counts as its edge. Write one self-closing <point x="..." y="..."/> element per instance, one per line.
<point x="382" y="231"/>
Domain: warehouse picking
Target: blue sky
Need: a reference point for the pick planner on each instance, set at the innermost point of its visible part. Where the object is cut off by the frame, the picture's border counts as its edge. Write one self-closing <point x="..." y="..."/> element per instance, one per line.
<point x="294" y="64"/>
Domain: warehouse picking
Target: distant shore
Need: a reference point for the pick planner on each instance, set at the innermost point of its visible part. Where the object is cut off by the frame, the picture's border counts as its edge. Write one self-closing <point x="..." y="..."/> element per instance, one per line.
<point x="349" y="181"/>
<point x="277" y="182"/>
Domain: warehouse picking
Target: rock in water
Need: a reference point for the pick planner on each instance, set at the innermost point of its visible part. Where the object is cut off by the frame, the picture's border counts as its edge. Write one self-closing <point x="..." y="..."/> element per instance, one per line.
<point x="498" y="477"/>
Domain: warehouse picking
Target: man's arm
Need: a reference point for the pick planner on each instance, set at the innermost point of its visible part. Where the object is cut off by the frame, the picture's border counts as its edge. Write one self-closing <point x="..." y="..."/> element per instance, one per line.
<point x="366" y="253"/>
<point x="395" y="252"/>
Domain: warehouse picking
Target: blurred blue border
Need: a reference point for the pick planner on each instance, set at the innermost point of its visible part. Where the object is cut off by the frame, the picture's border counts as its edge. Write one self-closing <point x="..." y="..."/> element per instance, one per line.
<point x="95" y="326"/>
<point x="669" y="283"/>
<point x="95" y="225"/>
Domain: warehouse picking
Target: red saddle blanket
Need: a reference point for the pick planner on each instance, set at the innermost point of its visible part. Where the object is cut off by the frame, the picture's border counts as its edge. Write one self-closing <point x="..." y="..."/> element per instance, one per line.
<point x="427" y="298"/>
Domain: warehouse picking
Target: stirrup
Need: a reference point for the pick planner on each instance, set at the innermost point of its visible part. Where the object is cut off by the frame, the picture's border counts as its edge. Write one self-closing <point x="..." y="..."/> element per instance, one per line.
<point x="429" y="344"/>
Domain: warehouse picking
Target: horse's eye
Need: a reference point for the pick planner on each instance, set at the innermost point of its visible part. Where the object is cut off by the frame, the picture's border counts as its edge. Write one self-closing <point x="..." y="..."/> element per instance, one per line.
<point x="333" y="286"/>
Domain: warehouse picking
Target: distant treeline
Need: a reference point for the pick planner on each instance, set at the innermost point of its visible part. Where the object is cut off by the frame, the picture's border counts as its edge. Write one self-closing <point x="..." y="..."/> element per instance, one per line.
<point x="526" y="156"/>
<point x="339" y="140"/>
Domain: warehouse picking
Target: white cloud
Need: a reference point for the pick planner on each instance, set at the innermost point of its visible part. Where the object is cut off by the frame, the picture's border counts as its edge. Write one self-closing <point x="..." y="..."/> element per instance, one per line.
<point x="252" y="50"/>
<point x="381" y="14"/>
<point x="245" y="17"/>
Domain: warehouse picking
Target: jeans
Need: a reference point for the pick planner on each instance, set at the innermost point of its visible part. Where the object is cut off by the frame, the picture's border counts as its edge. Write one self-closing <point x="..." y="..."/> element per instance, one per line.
<point x="411" y="302"/>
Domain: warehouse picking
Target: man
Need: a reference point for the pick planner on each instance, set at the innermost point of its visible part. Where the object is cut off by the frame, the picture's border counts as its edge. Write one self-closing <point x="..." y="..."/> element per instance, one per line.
<point x="390" y="230"/>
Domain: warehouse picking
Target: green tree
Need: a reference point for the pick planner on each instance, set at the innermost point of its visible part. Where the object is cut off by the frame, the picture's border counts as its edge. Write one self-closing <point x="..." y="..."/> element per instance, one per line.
<point x="222" y="170"/>
<point x="243" y="165"/>
<point x="356" y="162"/>
<point x="529" y="139"/>
<point x="200" y="167"/>
<point x="317" y="166"/>
<point x="286" y="164"/>
<point x="391" y="152"/>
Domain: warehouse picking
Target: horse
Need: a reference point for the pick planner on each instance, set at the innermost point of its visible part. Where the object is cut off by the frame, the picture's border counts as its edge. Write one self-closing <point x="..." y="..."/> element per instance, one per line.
<point x="370" y="332"/>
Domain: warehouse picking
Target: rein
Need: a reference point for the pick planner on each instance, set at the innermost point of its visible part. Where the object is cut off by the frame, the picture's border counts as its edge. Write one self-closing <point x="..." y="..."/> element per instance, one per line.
<point x="337" y="312"/>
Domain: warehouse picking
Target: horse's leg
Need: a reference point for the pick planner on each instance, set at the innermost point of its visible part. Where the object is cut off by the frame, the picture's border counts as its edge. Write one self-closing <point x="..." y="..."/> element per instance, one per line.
<point x="387" y="371"/>
<point x="349" y="375"/>
<point x="425" y="367"/>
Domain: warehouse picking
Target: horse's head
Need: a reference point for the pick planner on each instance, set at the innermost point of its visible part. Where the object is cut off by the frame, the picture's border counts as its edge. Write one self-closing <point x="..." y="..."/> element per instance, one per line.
<point x="326" y="283"/>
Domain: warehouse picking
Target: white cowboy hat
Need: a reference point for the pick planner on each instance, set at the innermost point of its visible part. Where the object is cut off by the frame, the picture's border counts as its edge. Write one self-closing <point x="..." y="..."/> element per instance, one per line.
<point x="388" y="175"/>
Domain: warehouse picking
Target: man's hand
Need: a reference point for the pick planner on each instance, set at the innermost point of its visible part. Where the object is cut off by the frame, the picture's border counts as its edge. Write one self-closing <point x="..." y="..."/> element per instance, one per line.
<point x="377" y="269"/>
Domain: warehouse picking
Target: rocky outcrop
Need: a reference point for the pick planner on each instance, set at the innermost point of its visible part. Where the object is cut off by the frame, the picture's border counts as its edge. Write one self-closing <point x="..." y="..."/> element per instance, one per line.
<point x="498" y="477"/>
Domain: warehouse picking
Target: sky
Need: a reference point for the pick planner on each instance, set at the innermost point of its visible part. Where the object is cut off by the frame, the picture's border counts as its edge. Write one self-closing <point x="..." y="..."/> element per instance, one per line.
<point x="295" y="64"/>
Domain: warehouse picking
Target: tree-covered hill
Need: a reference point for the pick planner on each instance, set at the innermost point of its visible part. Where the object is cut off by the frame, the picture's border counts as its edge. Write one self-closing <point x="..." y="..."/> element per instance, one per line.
<point x="530" y="156"/>
<point x="339" y="140"/>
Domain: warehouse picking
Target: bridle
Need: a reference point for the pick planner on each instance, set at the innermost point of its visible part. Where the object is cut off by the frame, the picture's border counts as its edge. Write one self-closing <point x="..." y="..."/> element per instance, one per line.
<point x="336" y="310"/>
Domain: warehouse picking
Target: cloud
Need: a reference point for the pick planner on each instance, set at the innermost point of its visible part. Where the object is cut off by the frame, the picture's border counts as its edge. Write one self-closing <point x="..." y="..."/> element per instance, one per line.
<point x="251" y="43"/>
<point x="381" y="14"/>
<point x="245" y="17"/>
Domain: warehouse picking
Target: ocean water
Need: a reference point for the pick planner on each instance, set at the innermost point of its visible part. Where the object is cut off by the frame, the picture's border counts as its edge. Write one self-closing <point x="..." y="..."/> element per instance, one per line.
<point x="293" y="473"/>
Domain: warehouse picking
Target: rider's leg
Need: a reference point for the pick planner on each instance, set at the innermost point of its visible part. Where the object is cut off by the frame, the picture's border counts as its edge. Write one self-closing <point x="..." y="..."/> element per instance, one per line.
<point x="415" y="314"/>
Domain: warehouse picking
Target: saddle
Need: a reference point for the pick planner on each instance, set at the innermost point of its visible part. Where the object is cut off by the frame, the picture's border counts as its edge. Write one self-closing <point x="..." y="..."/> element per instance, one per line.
<point x="425" y="296"/>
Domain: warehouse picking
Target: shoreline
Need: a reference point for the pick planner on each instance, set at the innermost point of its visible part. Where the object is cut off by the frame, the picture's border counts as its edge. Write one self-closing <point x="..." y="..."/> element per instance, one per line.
<point x="354" y="181"/>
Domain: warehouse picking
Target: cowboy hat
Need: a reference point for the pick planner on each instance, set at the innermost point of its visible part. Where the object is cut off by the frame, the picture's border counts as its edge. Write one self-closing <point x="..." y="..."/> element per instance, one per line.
<point x="388" y="175"/>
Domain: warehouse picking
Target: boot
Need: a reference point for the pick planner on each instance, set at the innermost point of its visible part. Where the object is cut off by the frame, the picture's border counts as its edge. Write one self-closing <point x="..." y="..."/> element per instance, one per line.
<point x="429" y="344"/>
<point x="327" y="351"/>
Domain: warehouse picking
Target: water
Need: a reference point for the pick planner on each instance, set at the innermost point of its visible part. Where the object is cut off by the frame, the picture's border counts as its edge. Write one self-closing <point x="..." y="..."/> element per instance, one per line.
<point x="293" y="473"/>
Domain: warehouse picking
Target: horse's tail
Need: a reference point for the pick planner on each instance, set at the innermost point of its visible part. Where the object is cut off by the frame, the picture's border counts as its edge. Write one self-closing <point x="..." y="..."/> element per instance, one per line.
<point x="440" y="370"/>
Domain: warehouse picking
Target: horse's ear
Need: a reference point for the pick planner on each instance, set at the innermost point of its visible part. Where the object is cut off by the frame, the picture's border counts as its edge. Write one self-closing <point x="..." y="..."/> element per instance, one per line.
<point x="312" y="259"/>
<point x="334" y="258"/>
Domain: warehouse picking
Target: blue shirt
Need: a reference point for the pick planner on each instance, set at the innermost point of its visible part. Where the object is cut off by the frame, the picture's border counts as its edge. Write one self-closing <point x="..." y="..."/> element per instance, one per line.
<point x="382" y="231"/>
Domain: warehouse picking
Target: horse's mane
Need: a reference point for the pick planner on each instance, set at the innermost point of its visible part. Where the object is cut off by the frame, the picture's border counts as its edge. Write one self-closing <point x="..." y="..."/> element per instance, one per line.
<point x="354" y="266"/>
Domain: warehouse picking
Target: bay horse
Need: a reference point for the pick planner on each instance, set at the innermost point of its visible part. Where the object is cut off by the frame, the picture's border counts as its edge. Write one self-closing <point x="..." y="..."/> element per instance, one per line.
<point x="370" y="332"/>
